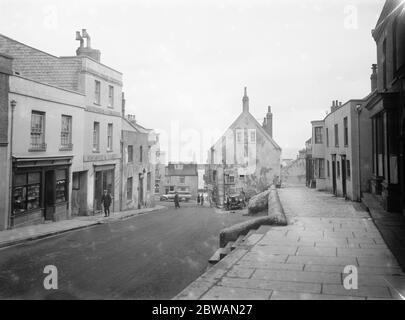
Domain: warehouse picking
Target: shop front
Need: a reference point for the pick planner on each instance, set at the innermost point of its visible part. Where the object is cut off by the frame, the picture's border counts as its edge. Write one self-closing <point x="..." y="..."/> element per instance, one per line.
<point x="40" y="190"/>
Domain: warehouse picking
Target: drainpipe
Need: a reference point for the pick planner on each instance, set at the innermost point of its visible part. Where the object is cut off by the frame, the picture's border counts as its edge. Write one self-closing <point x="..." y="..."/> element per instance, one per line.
<point x="13" y="104"/>
<point x="359" y="108"/>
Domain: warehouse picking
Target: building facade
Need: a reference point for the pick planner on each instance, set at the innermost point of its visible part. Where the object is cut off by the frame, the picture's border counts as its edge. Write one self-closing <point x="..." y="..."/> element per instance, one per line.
<point x="245" y="159"/>
<point x="182" y="178"/>
<point x="6" y="71"/>
<point x="293" y="172"/>
<point x="387" y="108"/>
<point x="66" y="150"/>
<point x="138" y="165"/>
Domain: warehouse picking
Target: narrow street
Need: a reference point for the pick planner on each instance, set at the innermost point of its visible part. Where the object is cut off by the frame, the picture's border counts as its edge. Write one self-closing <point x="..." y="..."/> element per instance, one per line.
<point x="153" y="256"/>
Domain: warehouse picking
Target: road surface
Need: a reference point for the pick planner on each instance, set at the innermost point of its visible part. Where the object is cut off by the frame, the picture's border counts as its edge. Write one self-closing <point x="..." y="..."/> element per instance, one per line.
<point x="152" y="256"/>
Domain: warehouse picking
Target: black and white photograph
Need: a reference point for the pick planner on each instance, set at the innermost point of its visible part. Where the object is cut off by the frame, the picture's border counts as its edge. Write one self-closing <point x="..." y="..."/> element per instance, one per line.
<point x="228" y="151"/>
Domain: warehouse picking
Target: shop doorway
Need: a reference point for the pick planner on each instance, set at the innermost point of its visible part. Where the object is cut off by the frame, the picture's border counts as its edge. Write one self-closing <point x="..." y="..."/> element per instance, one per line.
<point x="104" y="180"/>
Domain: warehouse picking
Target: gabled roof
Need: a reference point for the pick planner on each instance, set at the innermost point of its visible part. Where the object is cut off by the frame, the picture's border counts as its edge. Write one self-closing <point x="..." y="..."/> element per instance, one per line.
<point x="257" y="125"/>
<point x="391" y="8"/>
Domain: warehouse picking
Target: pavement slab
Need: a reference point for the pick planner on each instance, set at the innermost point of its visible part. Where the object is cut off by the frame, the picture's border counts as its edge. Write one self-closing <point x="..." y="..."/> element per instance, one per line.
<point x="306" y="260"/>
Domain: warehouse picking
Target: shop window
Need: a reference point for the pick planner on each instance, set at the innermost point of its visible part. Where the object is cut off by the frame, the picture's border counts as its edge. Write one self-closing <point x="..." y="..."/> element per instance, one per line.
<point x="157" y="188"/>
<point x="26" y="192"/>
<point x="129" y="188"/>
<point x="61" y="185"/>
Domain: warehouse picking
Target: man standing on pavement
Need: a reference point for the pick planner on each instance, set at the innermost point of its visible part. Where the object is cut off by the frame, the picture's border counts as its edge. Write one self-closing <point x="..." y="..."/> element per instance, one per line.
<point x="106" y="201"/>
<point x="202" y="199"/>
<point x="176" y="201"/>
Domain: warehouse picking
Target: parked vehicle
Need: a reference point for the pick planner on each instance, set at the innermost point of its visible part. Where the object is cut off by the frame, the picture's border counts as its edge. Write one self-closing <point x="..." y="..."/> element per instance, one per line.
<point x="235" y="202"/>
<point x="183" y="196"/>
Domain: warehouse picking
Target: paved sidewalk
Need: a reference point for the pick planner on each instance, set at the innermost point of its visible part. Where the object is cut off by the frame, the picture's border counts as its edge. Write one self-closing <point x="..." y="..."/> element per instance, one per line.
<point x="305" y="260"/>
<point x="20" y="235"/>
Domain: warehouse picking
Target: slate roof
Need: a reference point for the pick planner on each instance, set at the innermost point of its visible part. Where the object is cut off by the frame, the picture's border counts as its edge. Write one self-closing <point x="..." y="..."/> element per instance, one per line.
<point x="41" y="66"/>
<point x="189" y="169"/>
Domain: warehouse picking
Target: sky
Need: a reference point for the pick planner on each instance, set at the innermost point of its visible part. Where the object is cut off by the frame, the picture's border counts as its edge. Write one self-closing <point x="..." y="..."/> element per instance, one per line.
<point x="186" y="62"/>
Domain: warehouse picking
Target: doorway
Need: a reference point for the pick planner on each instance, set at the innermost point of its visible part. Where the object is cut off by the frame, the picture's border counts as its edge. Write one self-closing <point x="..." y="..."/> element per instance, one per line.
<point x="104" y="180"/>
<point x="334" y="188"/>
<point x="344" y="176"/>
<point x="140" y="191"/>
<point x="50" y="194"/>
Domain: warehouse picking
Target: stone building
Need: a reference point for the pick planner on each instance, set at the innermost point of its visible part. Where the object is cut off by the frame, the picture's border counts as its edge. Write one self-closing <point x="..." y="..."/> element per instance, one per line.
<point x="5" y="146"/>
<point x="138" y="165"/>
<point x="66" y="150"/>
<point x="387" y="108"/>
<point x="182" y="177"/>
<point x="341" y="150"/>
<point x="246" y="158"/>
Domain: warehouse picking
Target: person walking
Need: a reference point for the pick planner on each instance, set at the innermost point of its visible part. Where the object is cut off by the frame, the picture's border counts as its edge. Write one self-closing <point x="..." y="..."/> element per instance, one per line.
<point x="202" y="199"/>
<point x="176" y="201"/>
<point x="106" y="201"/>
<point x="198" y="199"/>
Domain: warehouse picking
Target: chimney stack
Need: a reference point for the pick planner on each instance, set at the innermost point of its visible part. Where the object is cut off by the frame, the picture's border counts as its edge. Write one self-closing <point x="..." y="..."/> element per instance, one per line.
<point x="86" y="51"/>
<point x="268" y="122"/>
<point x="373" y="78"/>
<point x="245" y="101"/>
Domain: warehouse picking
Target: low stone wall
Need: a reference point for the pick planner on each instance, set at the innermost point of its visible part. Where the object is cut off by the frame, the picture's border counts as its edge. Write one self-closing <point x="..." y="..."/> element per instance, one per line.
<point x="275" y="217"/>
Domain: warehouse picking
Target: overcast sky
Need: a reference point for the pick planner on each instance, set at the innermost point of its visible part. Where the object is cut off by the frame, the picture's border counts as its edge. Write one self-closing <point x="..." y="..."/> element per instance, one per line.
<point x="185" y="63"/>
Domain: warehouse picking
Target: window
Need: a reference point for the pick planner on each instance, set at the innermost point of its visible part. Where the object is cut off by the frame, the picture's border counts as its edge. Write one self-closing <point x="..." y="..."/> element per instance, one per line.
<point x="182" y="179"/>
<point x="348" y="173"/>
<point x="140" y="153"/>
<point x="148" y="181"/>
<point x="61" y="185"/>
<point x="231" y="179"/>
<point x="38" y="130"/>
<point x="130" y="153"/>
<point x="66" y="132"/>
<point x="171" y="188"/>
<point x="110" y="137"/>
<point x="157" y="188"/>
<point x="26" y="192"/>
<point x="242" y="177"/>
<point x="246" y="145"/>
<point x="239" y="137"/>
<point x="318" y="135"/>
<point x="336" y="135"/>
<point x="96" y="136"/>
<point x="346" y="132"/>
<point x="178" y="167"/>
<point x="328" y="168"/>
<point x="321" y="174"/>
<point x="97" y="92"/>
<point x="327" y="137"/>
<point x="129" y="188"/>
<point x="253" y="136"/>
<point x="111" y="96"/>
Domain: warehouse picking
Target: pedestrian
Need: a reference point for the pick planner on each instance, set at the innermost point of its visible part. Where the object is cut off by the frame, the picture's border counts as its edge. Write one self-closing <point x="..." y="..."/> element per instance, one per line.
<point x="106" y="201"/>
<point x="202" y="199"/>
<point x="198" y="199"/>
<point x="176" y="201"/>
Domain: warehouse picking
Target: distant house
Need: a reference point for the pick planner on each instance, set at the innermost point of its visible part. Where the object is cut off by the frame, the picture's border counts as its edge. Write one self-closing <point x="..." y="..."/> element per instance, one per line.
<point x="245" y="159"/>
<point x="182" y="177"/>
<point x="293" y="172"/>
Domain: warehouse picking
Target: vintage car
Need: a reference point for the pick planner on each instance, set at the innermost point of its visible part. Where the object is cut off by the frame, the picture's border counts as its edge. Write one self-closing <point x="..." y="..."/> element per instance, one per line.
<point x="183" y="196"/>
<point x="234" y="202"/>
